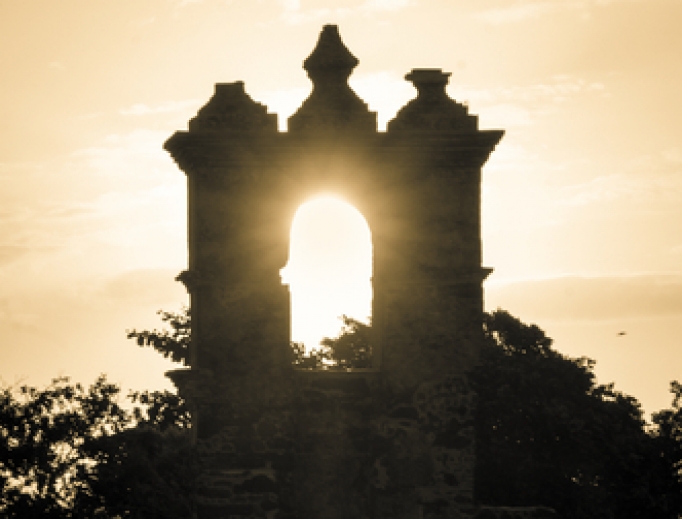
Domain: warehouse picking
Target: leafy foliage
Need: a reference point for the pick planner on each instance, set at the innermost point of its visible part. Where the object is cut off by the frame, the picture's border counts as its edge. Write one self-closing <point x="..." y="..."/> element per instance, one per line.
<point x="44" y="436"/>
<point x="174" y="343"/>
<point x="301" y="360"/>
<point x="667" y="447"/>
<point x="71" y="451"/>
<point x="143" y="473"/>
<point x="548" y="434"/>
<point x="669" y="421"/>
<point x="161" y="410"/>
<point x="351" y="349"/>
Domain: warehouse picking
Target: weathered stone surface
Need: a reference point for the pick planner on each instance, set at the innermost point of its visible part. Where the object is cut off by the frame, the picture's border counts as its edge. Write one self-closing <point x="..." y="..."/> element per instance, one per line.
<point x="529" y="512"/>
<point x="393" y="441"/>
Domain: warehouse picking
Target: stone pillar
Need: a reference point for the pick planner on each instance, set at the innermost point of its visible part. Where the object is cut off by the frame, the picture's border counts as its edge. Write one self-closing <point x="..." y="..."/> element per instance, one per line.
<point x="239" y="384"/>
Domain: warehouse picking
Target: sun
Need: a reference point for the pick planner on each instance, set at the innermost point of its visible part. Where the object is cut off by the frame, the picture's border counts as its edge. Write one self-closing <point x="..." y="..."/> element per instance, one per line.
<point x="329" y="269"/>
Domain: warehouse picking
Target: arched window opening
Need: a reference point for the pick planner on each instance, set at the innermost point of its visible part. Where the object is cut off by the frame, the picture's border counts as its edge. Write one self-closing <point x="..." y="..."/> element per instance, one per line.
<point x="329" y="270"/>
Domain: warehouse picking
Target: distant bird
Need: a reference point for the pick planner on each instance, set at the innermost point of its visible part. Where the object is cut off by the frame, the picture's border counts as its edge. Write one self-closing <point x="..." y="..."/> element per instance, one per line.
<point x="620" y="334"/>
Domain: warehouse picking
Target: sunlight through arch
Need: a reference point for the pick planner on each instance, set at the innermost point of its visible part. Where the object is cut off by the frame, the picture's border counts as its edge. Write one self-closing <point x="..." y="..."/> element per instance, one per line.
<point x="329" y="270"/>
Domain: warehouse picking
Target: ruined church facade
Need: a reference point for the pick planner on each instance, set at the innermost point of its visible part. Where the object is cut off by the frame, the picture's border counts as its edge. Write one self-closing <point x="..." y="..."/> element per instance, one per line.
<point x="392" y="441"/>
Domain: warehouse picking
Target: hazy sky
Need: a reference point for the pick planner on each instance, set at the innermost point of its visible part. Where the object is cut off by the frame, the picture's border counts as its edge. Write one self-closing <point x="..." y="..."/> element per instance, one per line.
<point x="582" y="200"/>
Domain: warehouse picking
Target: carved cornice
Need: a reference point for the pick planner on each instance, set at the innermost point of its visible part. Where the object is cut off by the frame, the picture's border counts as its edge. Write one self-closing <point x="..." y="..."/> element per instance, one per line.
<point x="437" y="148"/>
<point x="458" y="277"/>
<point x="230" y="128"/>
<point x="193" y="280"/>
<point x="194" y="385"/>
<point x="204" y="153"/>
<point x="187" y="278"/>
<point x="196" y="279"/>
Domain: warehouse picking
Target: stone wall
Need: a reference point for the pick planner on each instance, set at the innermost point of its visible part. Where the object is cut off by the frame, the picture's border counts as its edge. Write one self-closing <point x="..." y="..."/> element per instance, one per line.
<point x="528" y="512"/>
<point x="333" y="444"/>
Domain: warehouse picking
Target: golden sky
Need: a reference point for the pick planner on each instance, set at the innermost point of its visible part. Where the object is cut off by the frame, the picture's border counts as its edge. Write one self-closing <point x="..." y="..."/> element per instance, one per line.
<point x="329" y="269"/>
<point x="582" y="200"/>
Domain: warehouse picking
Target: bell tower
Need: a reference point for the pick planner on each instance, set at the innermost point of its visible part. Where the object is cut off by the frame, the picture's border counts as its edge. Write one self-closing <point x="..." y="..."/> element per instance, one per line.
<point x="391" y="441"/>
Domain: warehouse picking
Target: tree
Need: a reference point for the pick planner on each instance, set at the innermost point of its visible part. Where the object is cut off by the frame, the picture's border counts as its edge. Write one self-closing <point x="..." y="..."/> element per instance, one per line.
<point x="67" y="451"/>
<point x="667" y="453"/>
<point x="44" y="471"/>
<point x="548" y="434"/>
<point x="173" y="344"/>
<point x="143" y="473"/>
<point x="352" y="347"/>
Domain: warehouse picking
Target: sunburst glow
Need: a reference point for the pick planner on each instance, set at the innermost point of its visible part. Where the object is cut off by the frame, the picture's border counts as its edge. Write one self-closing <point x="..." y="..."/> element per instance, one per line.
<point x="329" y="269"/>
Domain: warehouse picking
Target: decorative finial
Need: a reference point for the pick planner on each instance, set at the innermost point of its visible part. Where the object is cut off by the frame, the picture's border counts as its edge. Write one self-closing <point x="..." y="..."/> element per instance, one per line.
<point x="432" y="111"/>
<point x="330" y="56"/>
<point x="332" y="107"/>
<point x="429" y="82"/>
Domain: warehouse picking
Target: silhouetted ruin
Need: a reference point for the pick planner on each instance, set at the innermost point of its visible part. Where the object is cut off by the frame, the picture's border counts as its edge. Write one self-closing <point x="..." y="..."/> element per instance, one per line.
<point x="393" y="441"/>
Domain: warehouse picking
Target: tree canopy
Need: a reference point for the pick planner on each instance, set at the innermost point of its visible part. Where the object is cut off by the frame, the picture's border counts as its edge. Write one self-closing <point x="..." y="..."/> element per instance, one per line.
<point x="547" y="434"/>
<point x="350" y="349"/>
<point x="173" y="343"/>
<point x="70" y="451"/>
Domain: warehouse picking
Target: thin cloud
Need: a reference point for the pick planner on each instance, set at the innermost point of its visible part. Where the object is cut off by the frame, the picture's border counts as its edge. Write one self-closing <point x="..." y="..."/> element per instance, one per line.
<point x="90" y="116"/>
<point x="168" y="107"/>
<point x="507" y="115"/>
<point x="290" y="5"/>
<point x="144" y="22"/>
<point x="128" y="154"/>
<point x="119" y="204"/>
<point x="386" y="5"/>
<point x="51" y="326"/>
<point x="655" y="179"/>
<point x="297" y="16"/>
<point x="143" y="285"/>
<point x="558" y="89"/>
<point x="11" y="253"/>
<point x="515" y="13"/>
<point x="293" y="13"/>
<point x="523" y="11"/>
<point x="602" y="189"/>
<point x="593" y="298"/>
<point x="535" y="97"/>
<point x="522" y="105"/>
<point x="42" y="228"/>
<point x="673" y="154"/>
